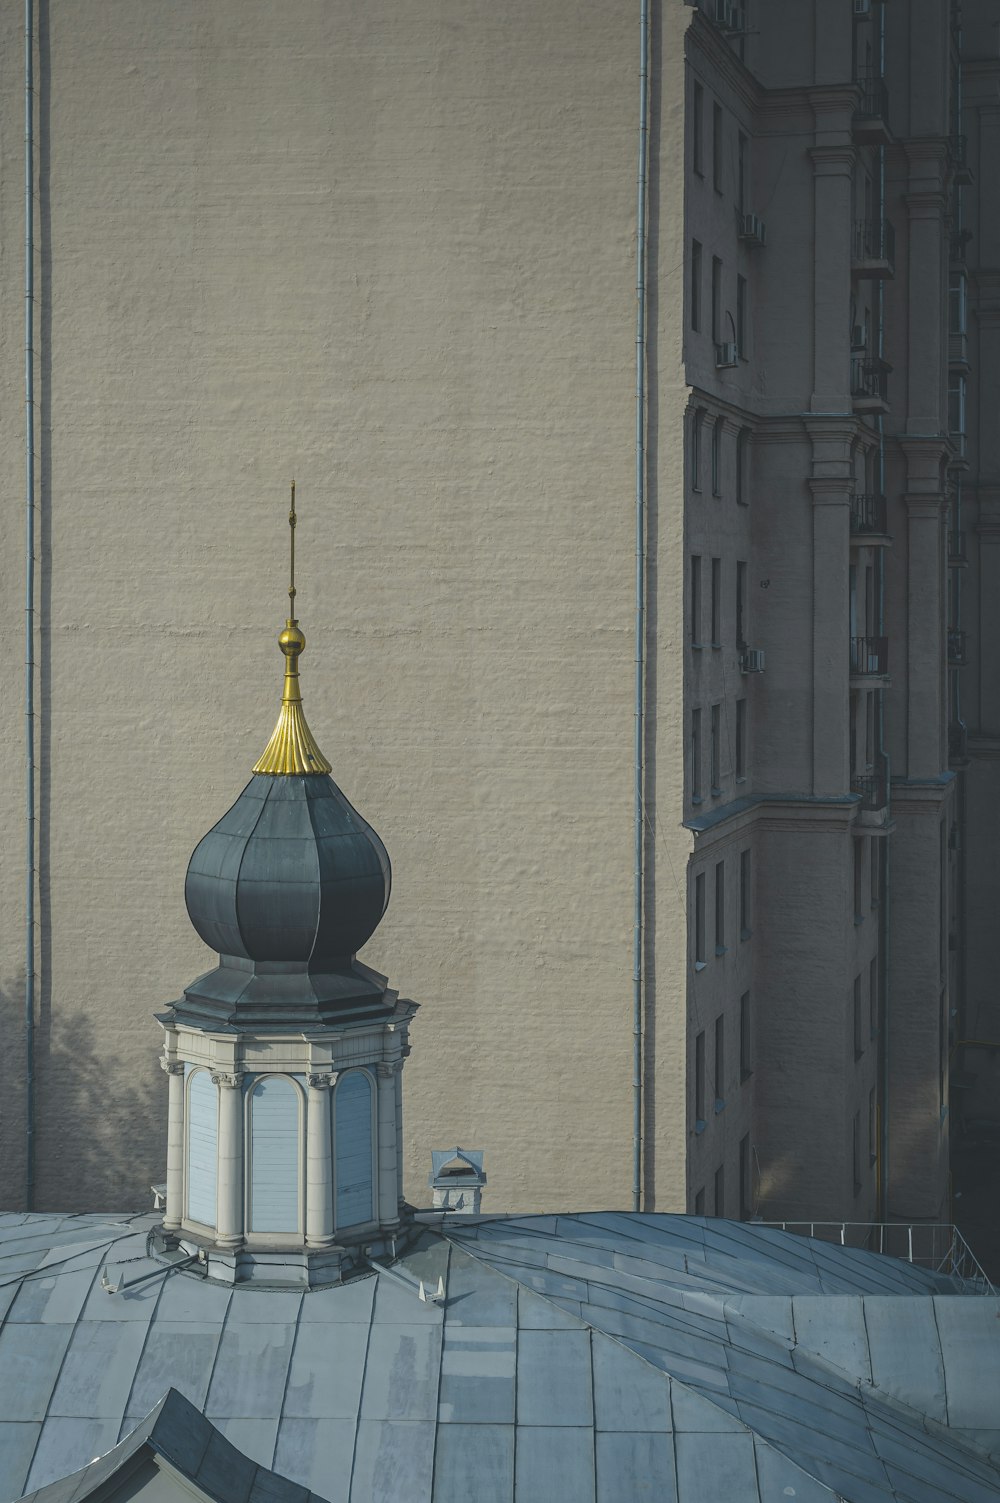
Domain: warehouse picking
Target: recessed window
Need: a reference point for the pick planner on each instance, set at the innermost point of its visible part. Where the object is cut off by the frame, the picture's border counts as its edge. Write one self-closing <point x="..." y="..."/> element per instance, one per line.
<point x="873" y="999"/>
<point x="717" y="147"/>
<point x="695" y="600"/>
<point x="716" y="300"/>
<point x="745" y="895"/>
<point x="742" y="467"/>
<point x="741" y="316"/>
<point x="715" y="740"/>
<point x="720" y="908"/>
<point x="746" y="1186"/>
<point x="699" y="1078"/>
<point x="858" y="1038"/>
<point x="874" y="875"/>
<point x="699" y="1202"/>
<point x="697" y="129"/>
<point x="696" y="285"/>
<point x="746" y="1041"/>
<point x="741" y="604"/>
<point x="958" y="303"/>
<point x="872" y="1126"/>
<point x="720" y="1190"/>
<point x="699" y="922"/>
<point x="696" y="756"/>
<point x="858" y="881"/>
<point x="720" y="1062"/>
<point x="696" y="422"/>
<point x="741" y="740"/>
<point x="856" y="1151"/>
<point x="716" y="602"/>
<point x="742" y="159"/>
<point x="717" y="457"/>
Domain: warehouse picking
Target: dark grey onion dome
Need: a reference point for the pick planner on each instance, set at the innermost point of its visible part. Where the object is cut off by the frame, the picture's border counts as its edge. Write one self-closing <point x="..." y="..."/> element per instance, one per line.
<point x="291" y="874"/>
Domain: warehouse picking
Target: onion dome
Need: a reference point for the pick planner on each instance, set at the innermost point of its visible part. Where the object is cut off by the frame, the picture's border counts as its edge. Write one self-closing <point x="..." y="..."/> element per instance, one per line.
<point x="290" y="883"/>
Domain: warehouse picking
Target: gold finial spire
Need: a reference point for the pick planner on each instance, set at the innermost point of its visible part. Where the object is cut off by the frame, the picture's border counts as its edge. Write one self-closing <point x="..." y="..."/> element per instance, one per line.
<point x="292" y="747"/>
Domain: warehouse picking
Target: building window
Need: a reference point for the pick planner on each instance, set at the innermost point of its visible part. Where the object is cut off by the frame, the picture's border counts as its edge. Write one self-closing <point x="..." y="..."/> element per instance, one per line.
<point x="696" y="418"/>
<point x="354" y="1149"/>
<point x="695" y="600"/>
<point x="742" y="465"/>
<point x="720" y="908"/>
<point x="741" y="317"/>
<point x="716" y="300"/>
<point x="741" y="603"/>
<point x="874" y="852"/>
<point x="957" y="303"/>
<point x="741" y="740"/>
<point x="274" y="1157"/>
<point x="741" y="173"/>
<point x="873" y="1007"/>
<point x="746" y="1039"/>
<point x="716" y="736"/>
<point x="717" y="457"/>
<point x="858" y="876"/>
<point x="720" y="1190"/>
<point x="716" y="602"/>
<point x="856" y="1151"/>
<point x="956" y="410"/>
<point x="699" y="1078"/>
<point x="699" y="922"/>
<point x="746" y="1188"/>
<point x="696" y="756"/>
<point x="745" y="910"/>
<point x="696" y="285"/>
<point x="720" y="1062"/>
<point x="697" y="129"/>
<point x="872" y="1127"/>
<point x="699" y="1202"/>
<point x="717" y="147"/>
<point x="858" y="1040"/>
<point x="202" y="1147"/>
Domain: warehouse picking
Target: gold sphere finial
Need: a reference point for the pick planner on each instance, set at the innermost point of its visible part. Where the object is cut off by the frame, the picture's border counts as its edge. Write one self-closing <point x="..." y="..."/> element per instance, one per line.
<point x="292" y="641"/>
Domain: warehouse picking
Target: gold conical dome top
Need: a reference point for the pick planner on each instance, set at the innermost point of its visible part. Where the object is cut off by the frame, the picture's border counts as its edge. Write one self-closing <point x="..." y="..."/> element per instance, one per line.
<point x="292" y="747"/>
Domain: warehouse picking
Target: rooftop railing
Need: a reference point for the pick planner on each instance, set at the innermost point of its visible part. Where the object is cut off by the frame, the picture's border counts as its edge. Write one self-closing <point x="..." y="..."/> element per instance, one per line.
<point x="937" y="1246"/>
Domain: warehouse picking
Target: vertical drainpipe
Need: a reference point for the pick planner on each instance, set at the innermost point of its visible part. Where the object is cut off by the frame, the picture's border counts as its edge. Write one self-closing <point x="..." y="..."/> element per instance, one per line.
<point x="884" y="936"/>
<point x="640" y="602"/>
<point x="29" y="602"/>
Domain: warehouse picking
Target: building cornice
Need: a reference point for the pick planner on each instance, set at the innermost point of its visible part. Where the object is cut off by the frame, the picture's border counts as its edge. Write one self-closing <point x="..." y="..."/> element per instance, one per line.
<point x="710" y="42"/>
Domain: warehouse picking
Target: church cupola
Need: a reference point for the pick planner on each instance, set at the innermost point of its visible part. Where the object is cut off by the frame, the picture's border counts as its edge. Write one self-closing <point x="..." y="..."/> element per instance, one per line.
<point x="285" y="1060"/>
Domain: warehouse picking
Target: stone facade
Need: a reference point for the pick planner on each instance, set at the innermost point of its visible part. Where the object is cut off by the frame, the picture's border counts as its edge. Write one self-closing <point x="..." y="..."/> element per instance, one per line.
<point x="392" y="249"/>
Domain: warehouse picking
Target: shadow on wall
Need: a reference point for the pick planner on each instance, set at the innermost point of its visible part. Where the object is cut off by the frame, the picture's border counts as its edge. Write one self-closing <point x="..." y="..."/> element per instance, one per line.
<point x="90" y="1145"/>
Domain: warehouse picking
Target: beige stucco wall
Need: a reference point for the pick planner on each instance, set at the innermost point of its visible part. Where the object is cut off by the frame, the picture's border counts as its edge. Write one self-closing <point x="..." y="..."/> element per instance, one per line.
<point x="388" y="248"/>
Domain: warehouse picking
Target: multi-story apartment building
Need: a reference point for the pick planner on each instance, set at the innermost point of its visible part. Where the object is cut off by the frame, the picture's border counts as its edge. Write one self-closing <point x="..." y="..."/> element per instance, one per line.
<point x="395" y="250"/>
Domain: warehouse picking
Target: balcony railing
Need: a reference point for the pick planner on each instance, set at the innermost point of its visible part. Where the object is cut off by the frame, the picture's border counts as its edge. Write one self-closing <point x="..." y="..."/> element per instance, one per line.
<point x="872" y="787"/>
<point x="959" y="151"/>
<point x="874" y="250"/>
<point x="872" y="113"/>
<point x="957" y="553"/>
<point x="958" y="741"/>
<point x="869" y="384"/>
<point x="956" y="648"/>
<point x="869" y="657"/>
<point x="868" y="514"/>
<point x="937" y="1246"/>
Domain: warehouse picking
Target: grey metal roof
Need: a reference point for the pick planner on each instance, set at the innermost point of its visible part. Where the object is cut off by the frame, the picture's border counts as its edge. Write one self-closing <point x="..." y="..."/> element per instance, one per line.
<point x="603" y="1357"/>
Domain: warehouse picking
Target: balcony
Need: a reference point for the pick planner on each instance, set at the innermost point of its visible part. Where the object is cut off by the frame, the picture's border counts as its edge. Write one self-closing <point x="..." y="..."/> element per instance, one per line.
<point x="873" y="253"/>
<point x="869" y="516"/>
<point x="958" y="742"/>
<point x="869" y="657"/>
<point x="957" y="656"/>
<point x="871" y="118"/>
<point x="870" y="385"/>
<point x="958" y="557"/>
<point x="872" y="787"/>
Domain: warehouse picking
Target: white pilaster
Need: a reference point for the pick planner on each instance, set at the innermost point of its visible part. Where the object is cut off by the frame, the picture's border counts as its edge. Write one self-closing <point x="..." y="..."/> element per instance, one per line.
<point x="175" y="1143"/>
<point x="319" y="1163"/>
<point x="230" y="1187"/>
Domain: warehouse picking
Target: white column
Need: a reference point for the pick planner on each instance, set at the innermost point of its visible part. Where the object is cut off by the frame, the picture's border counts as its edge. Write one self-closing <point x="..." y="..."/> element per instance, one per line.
<point x="175" y="1143"/>
<point x="229" y="1221"/>
<point x="388" y="1177"/>
<point x="319" y="1162"/>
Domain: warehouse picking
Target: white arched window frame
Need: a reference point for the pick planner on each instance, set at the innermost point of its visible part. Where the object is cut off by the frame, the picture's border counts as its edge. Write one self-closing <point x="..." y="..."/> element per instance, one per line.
<point x="274" y="1191"/>
<point x="201" y="1148"/>
<point x="355" y="1149"/>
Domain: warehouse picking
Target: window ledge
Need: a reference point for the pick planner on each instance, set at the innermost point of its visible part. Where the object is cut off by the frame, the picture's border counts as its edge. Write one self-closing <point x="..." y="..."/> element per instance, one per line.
<point x="715" y="792"/>
<point x="746" y="934"/>
<point x="696" y="646"/>
<point x="720" y="949"/>
<point x="700" y="1125"/>
<point x="696" y="798"/>
<point x="745" y="1076"/>
<point x="741" y="777"/>
<point x="859" y="918"/>
<point x="716" y="646"/>
<point x="699" y="965"/>
<point x="720" y="1105"/>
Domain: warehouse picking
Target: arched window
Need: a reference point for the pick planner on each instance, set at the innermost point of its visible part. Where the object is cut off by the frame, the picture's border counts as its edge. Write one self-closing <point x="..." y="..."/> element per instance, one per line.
<point x="354" y="1142"/>
<point x="274" y="1156"/>
<point x="202" y="1147"/>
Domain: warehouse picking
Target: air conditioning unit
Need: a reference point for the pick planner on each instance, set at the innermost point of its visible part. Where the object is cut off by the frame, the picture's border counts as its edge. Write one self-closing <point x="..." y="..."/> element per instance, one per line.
<point x="726" y="355"/>
<point x="752" y="660"/>
<point x="859" y="338"/>
<point x="862" y="7"/>
<point x="752" y="228"/>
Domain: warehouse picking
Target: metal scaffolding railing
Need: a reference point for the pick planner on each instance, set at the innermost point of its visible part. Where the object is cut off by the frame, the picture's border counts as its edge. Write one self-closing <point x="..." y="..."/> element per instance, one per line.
<point x="938" y="1246"/>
